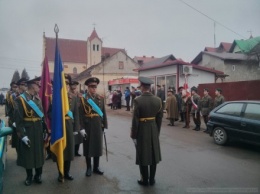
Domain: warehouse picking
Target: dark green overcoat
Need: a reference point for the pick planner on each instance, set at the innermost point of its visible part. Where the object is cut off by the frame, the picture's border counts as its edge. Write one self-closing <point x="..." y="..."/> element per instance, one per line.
<point x="218" y="101"/>
<point x="93" y="144"/>
<point x="206" y="105"/>
<point x="29" y="157"/>
<point x="72" y="125"/>
<point x="147" y="132"/>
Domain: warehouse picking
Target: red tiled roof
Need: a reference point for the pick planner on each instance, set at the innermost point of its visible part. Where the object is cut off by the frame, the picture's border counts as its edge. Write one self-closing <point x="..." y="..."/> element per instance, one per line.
<point x="176" y="62"/>
<point x="74" y="50"/>
<point x="71" y="50"/>
<point x="94" y="35"/>
<point x="226" y="45"/>
<point x="210" y="49"/>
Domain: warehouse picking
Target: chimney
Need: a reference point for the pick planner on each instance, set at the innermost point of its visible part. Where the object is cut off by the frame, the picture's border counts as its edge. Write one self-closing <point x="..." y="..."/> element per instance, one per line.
<point x="144" y="56"/>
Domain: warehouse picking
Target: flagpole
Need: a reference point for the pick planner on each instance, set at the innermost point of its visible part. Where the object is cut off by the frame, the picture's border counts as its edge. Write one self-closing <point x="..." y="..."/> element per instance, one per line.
<point x="56" y="30"/>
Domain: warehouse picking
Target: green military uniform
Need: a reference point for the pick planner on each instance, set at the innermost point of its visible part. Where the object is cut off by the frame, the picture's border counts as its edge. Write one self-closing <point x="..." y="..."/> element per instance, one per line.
<point x="94" y="125"/>
<point x="10" y="109"/>
<point x="29" y="124"/>
<point x="205" y="106"/>
<point x="218" y="100"/>
<point x="145" y="130"/>
<point x="186" y="108"/>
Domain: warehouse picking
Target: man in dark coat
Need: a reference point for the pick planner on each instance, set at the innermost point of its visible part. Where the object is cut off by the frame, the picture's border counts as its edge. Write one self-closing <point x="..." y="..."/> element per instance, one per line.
<point x="127" y="98"/>
<point x="93" y="121"/>
<point x="171" y="107"/>
<point x="29" y="123"/>
<point x="77" y="138"/>
<point x="145" y="131"/>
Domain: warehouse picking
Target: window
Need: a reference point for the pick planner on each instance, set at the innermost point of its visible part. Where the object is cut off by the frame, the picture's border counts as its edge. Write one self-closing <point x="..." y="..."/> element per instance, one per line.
<point x="252" y="111"/>
<point x="74" y="70"/>
<point x="121" y="65"/>
<point x="97" y="47"/>
<point x="171" y="81"/>
<point x="231" y="109"/>
<point x="94" y="47"/>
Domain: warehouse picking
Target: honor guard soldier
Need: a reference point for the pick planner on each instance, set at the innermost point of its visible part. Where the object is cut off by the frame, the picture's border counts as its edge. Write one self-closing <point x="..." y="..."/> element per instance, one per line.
<point x="195" y="99"/>
<point x="72" y="128"/>
<point x="73" y="91"/>
<point x="9" y="110"/>
<point x="186" y="108"/>
<point x="29" y="123"/>
<point x="219" y="99"/>
<point x="206" y="105"/>
<point x="93" y="121"/>
<point x="145" y="131"/>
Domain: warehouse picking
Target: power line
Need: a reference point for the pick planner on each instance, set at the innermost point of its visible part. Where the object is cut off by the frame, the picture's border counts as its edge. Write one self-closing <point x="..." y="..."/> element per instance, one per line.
<point x="19" y="59"/>
<point x="212" y="19"/>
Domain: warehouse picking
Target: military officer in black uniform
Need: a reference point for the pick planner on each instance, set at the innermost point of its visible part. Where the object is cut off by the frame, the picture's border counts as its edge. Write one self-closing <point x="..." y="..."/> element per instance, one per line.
<point x="145" y="131"/>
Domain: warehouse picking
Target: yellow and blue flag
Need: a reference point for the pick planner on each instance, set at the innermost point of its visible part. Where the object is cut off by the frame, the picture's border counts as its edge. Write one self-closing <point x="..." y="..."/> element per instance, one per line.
<point x="60" y="108"/>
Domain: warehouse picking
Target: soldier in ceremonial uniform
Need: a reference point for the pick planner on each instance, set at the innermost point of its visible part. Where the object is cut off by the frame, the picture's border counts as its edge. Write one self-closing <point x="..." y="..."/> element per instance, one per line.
<point x="72" y="129"/>
<point x="195" y="99"/>
<point x="186" y="108"/>
<point x="92" y="125"/>
<point x="219" y="99"/>
<point x="73" y="91"/>
<point x="205" y="106"/>
<point x="29" y="123"/>
<point x="9" y="111"/>
<point x="145" y="131"/>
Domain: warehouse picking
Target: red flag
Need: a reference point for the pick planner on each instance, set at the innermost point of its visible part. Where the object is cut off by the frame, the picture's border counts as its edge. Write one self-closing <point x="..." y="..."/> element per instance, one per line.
<point x="45" y="91"/>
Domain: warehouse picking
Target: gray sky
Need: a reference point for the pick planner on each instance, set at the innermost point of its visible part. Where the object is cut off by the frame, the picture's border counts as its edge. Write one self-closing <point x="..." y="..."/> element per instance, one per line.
<point x="144" y="27"/>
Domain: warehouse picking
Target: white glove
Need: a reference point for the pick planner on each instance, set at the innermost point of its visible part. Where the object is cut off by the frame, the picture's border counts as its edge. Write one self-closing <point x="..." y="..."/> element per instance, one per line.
<point x="83" y="133"/>
<point x="14" y="125"/>
<point x="75" y="133"/>
<point x="26" y="141"/>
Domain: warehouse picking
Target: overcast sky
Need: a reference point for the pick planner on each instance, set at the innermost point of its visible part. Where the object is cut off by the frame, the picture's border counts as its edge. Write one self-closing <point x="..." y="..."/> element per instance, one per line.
<point x="144" y="27"/>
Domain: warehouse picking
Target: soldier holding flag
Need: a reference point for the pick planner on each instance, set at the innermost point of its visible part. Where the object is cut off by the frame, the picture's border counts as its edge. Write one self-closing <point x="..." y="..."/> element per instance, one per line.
<point x="195" y="98"/>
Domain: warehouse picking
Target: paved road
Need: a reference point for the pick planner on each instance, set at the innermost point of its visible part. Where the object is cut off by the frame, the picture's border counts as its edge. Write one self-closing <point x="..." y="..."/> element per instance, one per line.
<point x="191" y="163"/>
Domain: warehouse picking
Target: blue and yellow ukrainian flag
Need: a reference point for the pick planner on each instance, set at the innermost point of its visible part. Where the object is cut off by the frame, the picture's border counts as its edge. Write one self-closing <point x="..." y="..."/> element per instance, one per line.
<point x="60" y="108"/>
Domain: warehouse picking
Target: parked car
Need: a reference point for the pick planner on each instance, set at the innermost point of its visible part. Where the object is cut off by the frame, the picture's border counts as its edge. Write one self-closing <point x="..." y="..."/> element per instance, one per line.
<point x="239" y="120"/>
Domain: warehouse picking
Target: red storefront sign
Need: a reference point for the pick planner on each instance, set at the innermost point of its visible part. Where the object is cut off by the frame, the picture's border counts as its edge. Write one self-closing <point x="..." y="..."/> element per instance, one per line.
<point x="123" y="81"/>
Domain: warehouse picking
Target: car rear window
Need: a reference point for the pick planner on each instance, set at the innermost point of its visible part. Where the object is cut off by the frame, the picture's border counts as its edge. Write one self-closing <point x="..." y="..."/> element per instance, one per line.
<point x="252" y="111"/>
<point x="231" y="109"/>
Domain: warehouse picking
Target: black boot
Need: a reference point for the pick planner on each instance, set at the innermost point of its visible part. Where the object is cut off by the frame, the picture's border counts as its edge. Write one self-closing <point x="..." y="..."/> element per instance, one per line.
<point x="77" y="150"/>
<point x="38" y="175"/>
<point x="197" y="128"/>
<point x="96" y="169"/>
<point x="60" y="177"/>
<point x="67" y="171"/>
<point x="88" y="162"/>
<point x="29" y="177"/>
<point x="144" y="173"/>
<point x="152" y="174"/>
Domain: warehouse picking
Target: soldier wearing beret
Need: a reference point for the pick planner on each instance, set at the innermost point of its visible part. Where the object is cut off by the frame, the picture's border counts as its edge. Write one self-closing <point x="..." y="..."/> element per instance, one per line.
<point x="29" y="123"/>
<point x="195" y="99"/>
<point x="205" y="106"/>
<point x="219" y="99"/>
<point x="77" y="138"/>
<point x="72" y="129"/>
<point x="92" y="125"/>
<point x="145" y="131"/>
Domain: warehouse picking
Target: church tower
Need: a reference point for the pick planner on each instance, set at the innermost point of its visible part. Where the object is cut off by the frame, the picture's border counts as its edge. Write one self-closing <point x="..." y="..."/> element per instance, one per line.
<point x="94" y="47"/>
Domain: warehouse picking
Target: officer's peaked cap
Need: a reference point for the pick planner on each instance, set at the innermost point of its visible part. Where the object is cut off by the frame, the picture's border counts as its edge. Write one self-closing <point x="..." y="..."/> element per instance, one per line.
<point x="145" y="80"/>
<point x="92" y="80"/>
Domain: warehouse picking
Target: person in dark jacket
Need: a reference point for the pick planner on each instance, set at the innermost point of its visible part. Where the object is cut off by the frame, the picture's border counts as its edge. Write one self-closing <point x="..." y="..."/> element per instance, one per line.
<point x="92" y="125"/>
<point x="219" y="99"/>
<point x="145" y="131"/>
<point x="127" y="98"/>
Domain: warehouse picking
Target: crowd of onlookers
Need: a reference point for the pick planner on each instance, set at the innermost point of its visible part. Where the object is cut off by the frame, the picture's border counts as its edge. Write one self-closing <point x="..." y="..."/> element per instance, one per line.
<point x="2" y="99"/>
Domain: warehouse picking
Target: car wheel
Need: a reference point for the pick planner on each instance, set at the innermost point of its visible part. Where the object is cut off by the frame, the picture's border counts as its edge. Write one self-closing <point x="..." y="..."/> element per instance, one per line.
<point x="220" y="136"/>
